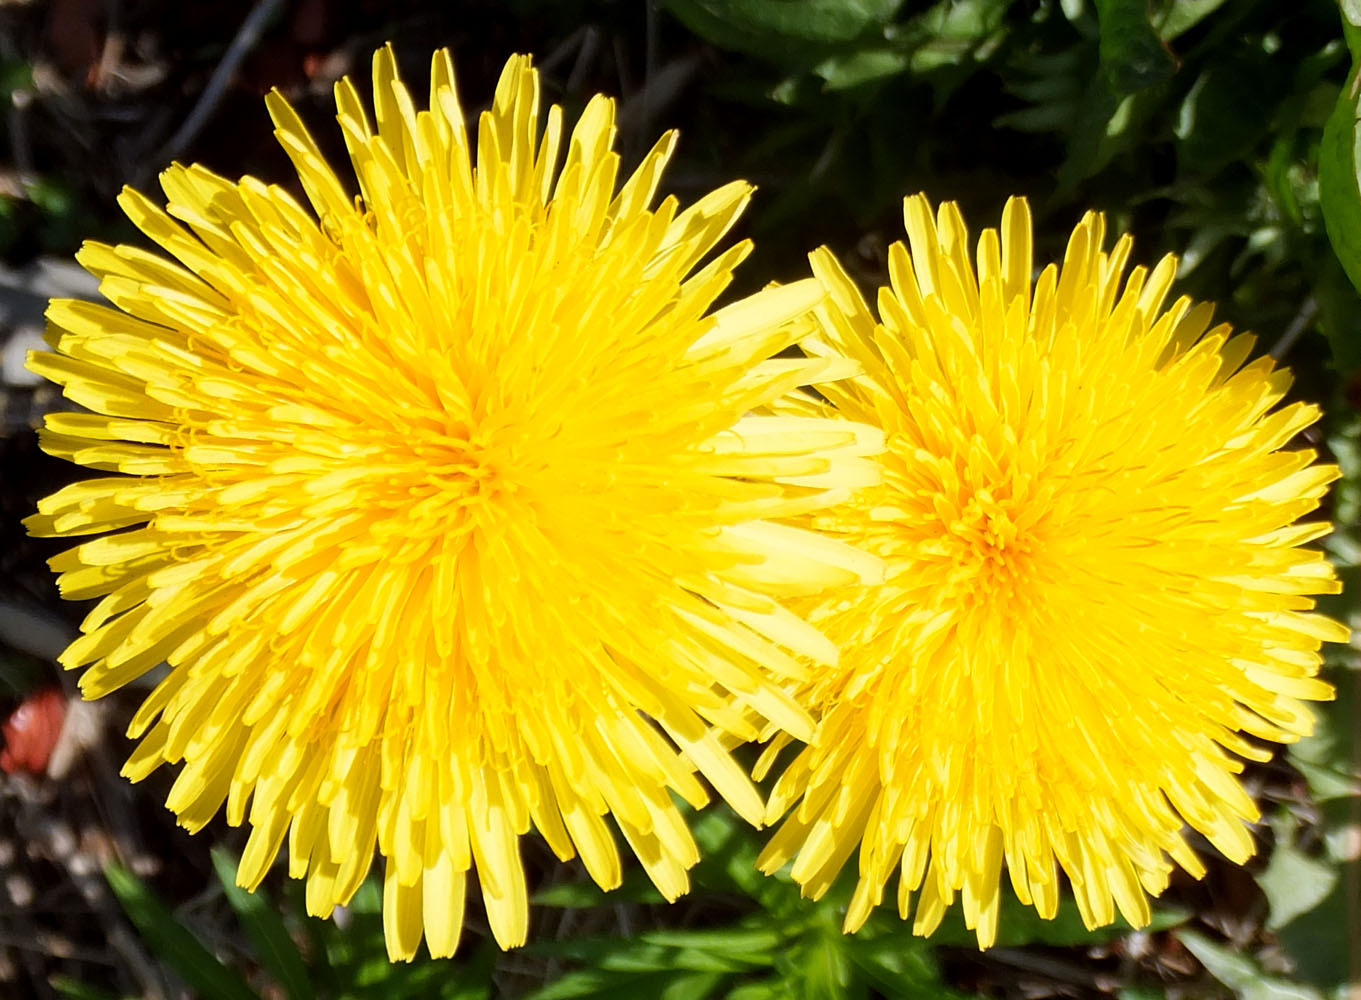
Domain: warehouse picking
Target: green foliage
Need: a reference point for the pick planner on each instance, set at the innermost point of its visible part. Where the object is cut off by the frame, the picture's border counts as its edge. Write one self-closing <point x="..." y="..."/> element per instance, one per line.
<point x="16" y="75"/>
<point x="1307" y="882"/>
<point x="20" y="672"/>
<point x="71" y="989"/>
<point x="1242" y="973"/>
<point x="777" y="945"/>
<point x="1132" y="52"/>
<point x="264" y="927"/>
<point x="290" y="954"/>
<point x="347" y="959"/>
<point x="1295" y="884"/>
<point x="191" y="960"/>
<point x="791" y="32"/>
<point x="1019" y="926"/>
<point x="1195" y="123"/>
<point x="1339" y="164"/>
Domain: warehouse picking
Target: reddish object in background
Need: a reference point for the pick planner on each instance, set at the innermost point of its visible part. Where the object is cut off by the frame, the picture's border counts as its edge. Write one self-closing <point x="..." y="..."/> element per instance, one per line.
<point x="32" y="730"/>
<point x="76" y="35"/>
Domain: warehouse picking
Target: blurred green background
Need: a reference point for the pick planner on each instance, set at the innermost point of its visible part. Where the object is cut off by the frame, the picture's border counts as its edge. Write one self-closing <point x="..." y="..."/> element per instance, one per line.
<point x="1196" y="125"/>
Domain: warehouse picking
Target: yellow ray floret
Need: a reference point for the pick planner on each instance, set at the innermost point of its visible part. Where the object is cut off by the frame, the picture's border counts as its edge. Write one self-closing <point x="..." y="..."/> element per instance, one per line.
<point x="447" y="504"/>
<point x="1094" y="583"/>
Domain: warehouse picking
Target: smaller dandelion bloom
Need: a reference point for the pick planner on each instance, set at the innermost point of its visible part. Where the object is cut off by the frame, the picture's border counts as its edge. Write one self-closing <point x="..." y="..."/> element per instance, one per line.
<point x="448" y="505"/>
<point x="1095" y="584"/>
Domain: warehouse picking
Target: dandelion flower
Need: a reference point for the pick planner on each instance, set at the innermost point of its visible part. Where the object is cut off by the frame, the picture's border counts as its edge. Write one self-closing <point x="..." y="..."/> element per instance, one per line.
<point x="1094" y="583"/>
<point x="432" y="494"/>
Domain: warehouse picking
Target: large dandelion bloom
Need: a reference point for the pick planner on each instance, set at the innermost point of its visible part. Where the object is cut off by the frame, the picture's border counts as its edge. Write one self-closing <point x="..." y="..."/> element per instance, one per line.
<point x="1094" y="583"/>
<point x="432" y="494"/>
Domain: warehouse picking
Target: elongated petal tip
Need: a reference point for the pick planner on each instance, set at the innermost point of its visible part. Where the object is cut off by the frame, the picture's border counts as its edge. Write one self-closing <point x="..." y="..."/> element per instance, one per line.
<point x="1092" y="582"/>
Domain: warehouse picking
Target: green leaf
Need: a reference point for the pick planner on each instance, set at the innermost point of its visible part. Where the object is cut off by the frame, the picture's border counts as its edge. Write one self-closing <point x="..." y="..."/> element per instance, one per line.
<point x="576" y="983"/>
<point x="273" y="947"/>
<point x="15" y="75"/>
<point x="470" y="979"/>
<point x="823" y="969"/>
<point x="599" y="985"/>
<point x="368" y="898"/>
<point x="728" y="854"/>
<point x="746" y="943"/>
<point x="74" y="989"/>
<point x="1242" y="974"/>
<point x="1132" y="54"/>
<point x="1294" y="883"/>
<point x="636" y="955"/>
<point x="785" y="31"/>
<point x="898" y="964"/>
<point x="1324" y="757"/>
<point x="764" y="990"/>
<point x="953" y="31"/>
<point x="192" y="962"/>
<point x="1339" y="317"/>
<point x="1316" y="940"/>
<point x="51" y="195"/>
<point x="1310" y="897"/>
<point x="861" y="67"/>
<point x="1212" y="124"/>
<point x="1103" y="125"/>
<point x="1141" y="993"/>
<point x="636" y="887"/>
<point x="1182" y="15"/>
<point x="695" y="986"/>
<point x="374" y="977"/>
<point x="1339" y="187"/>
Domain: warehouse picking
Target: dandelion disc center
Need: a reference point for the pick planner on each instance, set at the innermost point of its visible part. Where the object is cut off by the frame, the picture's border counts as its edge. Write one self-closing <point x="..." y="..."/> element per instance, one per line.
<point x="989" y="550"/>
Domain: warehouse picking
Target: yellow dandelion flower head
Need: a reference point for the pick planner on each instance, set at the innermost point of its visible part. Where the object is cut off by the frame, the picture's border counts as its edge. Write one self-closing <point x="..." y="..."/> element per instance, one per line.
<point x="1094" y="582"/>
<point x="432" y="492"/>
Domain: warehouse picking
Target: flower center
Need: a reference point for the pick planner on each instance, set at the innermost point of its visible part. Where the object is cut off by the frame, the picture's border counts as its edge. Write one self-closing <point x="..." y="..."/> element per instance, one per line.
<point x="455" y="474"/>
<point x="990" y="553"/>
